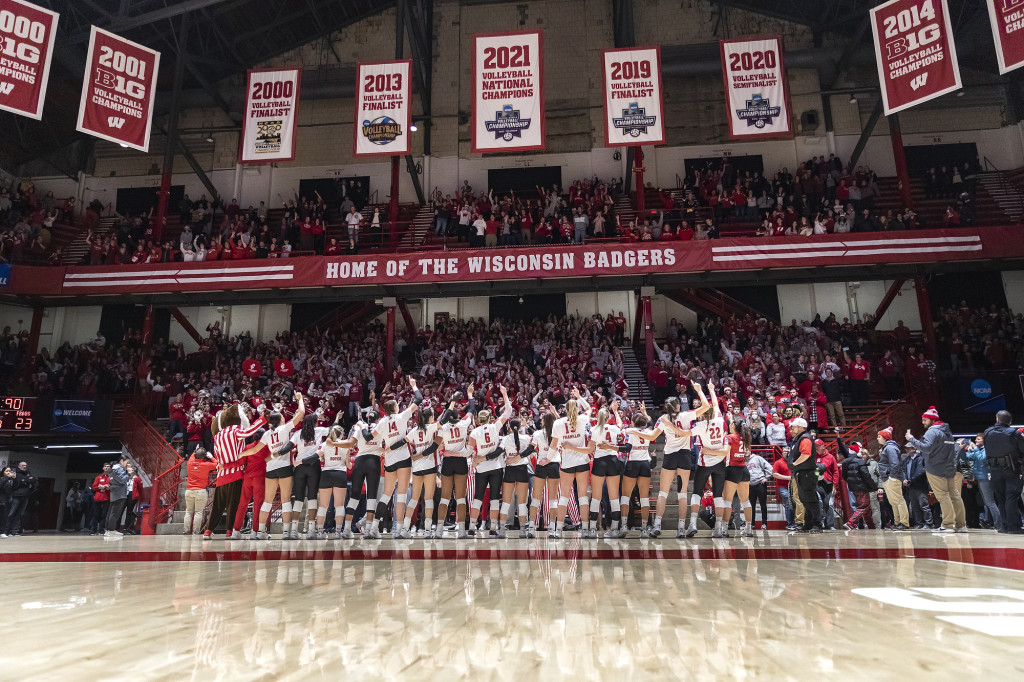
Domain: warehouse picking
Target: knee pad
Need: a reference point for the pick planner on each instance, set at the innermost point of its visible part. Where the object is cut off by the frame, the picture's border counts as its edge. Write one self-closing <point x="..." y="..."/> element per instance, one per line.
<point x="321" y="511"/>
<point x="595" y="505"/>
<point x="552" y="504"/>
<point x="429" y="504"/>
<point x="746" y="505"/>
<point x="720" y="503"/>
<point x="266" y="506"/>
<point x="563" y="501"/>
<point x="384" y="499"/>
<point x="505" y="506"/>
<point x="694" y="499"/>
<point x="645" y="502"/>
<point x="662" y="494"/>
<point x="477" y="504"/>
<point x="286" y="508"/>
<point x="400" y="499"/>
<point x="352" y="504"/>
<point x="534" y="503"/>
<point x="624" y="501"/>
<point x="296" y="506"/>
<point x="522" y="509"/>
<point x="495" y="504"/>
<point x="460" y="502"/>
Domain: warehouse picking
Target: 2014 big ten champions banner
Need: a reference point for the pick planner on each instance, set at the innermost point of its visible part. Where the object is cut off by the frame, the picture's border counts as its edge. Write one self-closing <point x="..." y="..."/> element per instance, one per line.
<point x="271" y="115"/>
<point x="508" y="92"/>
<point x="119" y="90"/>
<point x="915" y="52"/>
<point x="756" y="91"/>
<point x="1008" y="32"/>
<point x="632" y="97"/>
<point x="27" y="33"/>
<point x="383" y="108"/>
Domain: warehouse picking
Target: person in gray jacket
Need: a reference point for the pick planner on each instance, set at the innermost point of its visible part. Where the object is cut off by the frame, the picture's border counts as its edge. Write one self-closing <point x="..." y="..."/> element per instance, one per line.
<point x="938" y="449"/>
<point x="890" y="471"/>
<point x="119" y="480"/>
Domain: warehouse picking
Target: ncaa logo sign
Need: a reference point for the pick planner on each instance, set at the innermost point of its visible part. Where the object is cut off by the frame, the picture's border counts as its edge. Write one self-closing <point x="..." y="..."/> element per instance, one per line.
<point x="981" y="389"/>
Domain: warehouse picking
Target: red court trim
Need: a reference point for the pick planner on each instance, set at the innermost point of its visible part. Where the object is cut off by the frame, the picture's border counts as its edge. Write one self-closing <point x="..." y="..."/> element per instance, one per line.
<point x="1011" y="558"/>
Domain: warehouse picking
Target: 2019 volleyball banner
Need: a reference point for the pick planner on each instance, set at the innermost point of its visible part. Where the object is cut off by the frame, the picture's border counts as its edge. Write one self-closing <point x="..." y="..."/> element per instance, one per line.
<point x="119" y="90"/>
<point x="915" y="52"/>
<point x="271" y="115"/>
<point x="756" y="92"/>
<point x="1008" y="32"/>
<point x="633" y="111"/>
<point x="383" y="108"/>
<point x="27" y="33"/>
<point x="508" y="92"/>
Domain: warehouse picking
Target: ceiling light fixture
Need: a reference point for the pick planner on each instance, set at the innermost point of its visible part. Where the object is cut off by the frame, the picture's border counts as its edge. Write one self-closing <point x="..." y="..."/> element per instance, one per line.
<point x="413" y="128"/>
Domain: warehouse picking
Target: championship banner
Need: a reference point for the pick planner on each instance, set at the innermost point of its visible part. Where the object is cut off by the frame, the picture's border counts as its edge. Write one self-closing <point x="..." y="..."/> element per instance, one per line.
<point x="915" y="52"/>
<point x="756" y="91"/>
<point x="633" y="111"/>
<point x="508" y="92"/>
<point x="383" y="108"/>
<point x="1007" y="32"/>
<point x="271" y="116"/>
<point x="118" y="91"/>
<point x="27" y="33"/>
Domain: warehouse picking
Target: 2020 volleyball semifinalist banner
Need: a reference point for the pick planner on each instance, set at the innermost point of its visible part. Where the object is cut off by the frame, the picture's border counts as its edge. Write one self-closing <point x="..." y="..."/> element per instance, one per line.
<point x="271" y="115"/>
<point x="633" y="111"/>
<point x="1007" y="32"/>
<point x="756" y="92"/>
<point x="915" y="52"/>
<point x="27" y="33"/>
<point x="119" y="90"/>
<point x="508" y="92"/>
<point x="383" y="108"/>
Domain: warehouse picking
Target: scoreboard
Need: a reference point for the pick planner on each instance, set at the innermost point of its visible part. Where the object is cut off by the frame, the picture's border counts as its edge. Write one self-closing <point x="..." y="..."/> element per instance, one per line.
<point x="19" y="414"/>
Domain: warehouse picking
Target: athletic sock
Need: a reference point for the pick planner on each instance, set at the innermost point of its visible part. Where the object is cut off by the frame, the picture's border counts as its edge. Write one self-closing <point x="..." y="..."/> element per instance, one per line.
<point x="657" y="522"/>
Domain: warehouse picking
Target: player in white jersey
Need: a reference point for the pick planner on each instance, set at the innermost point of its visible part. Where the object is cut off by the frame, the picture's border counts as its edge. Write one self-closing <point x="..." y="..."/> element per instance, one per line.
<point x="423" y="442"/>
<point x="334" y="455"/>
<point x="637" y="472"/>
<point x="547" y="472"/>
<point x="279" y="470"/>
<point x="572" y="430"/>
<point x="454" y="433"/>
<point x="710" y="464"/>
<point x="366" y="469"/>
<point x="306" y="475"/>
<point x="485" y="442"/>
<point x="607" y="468"/>
<point x="516" y="479"/>
<point x="397" y="462"/>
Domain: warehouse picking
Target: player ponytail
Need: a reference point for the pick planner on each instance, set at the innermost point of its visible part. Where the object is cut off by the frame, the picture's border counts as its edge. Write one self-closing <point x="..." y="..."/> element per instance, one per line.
<point x="308" y="433"/>
<point x="390" y="407"/>
<point x="424" y="417"/>
<point x="548" y="423"/>
<point x="572" y="412"/>
<point x="640" y="420"/>
<point x="745" y="437"/>
<point x="514" y="424"/>
<point x="602" y="421"/>
<point x="672" y="407"/>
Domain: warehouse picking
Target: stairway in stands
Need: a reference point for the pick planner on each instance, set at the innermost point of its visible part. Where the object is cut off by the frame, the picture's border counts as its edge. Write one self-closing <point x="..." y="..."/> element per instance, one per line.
<point x="420" y="230"/>
<point x="624" y="210"/>
<point x="987" y="209"/>
<point x="636" y="379"/>
<point x="76" y="248"/>
<point x="714" y="302"/>
<point x="1002" y="190"/>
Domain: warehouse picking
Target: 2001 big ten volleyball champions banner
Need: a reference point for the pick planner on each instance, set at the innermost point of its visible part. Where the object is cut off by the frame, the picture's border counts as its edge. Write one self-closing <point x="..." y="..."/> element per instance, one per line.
<point x="1008" y="32"/>
<point x="508" y="92"/>
<point x="756" y="91"/>
<point x="271" y="115"/>
<point x="118" y="91"/>
<point x="26" y="47"/>
<point x="632" y="97"/>
<point x="915" y="52"/>
<point x="383" y="108"/>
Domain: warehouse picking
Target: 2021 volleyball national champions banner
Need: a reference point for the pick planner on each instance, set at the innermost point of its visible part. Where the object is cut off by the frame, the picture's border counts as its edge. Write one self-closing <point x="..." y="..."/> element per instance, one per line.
<point x="119" y="90"/>
<point x="508" y="92"/>
<point x="633" y="111"/>
<point x="756" y="91"/>
<point x="1007" y="32"/>
<point x="27" y="33"/>
<point x="915" y="52"/>
<point x="271" y="115"/>
<point x="383" y="108"/>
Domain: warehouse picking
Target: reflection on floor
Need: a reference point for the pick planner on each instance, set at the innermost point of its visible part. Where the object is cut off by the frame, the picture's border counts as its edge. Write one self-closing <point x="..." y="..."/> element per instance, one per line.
<point x="776" y="607"/>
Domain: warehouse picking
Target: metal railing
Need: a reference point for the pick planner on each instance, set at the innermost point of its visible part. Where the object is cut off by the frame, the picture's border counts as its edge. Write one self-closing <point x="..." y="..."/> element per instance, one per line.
<point x="157" y="458"/>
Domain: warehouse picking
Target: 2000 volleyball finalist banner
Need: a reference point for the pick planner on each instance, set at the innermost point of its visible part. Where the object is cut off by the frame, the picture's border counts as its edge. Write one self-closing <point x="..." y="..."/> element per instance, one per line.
<point x="915" y="52"/>
<point x="271" y="116"/>
<point x="508" y="92"/>
<point x="1008" y="32"/>
<point x="632" y="97"/>
<point x="756" y="92"/>
<point x="119" y="90"/>
<point x="383" y="108"/>
<point x="27" y="33"/>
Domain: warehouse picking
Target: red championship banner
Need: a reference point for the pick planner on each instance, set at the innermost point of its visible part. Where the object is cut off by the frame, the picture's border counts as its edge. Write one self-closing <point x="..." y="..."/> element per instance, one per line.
<point x="1008" y="32"/>
<point x="756" y="91"/>
<point x="271" y="116"/>
<point x="915" y="52"/>
<point x="633" y="111"/>
<point x="27" y="33"/>
<point x="508" y="92"/>
<point x="119" y="90"/>
<point x="383" y="108"/>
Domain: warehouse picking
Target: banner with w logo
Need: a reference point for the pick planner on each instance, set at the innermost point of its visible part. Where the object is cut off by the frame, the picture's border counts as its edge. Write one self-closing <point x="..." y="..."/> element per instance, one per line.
<point x="27" y="39"/>
<point x="119" y="90"/>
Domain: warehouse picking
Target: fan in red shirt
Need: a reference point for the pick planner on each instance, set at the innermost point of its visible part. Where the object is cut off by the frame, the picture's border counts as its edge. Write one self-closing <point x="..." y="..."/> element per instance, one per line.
<point x="860" y="376"/>
<point x="737" y="476"/>
<point x="100" y="498"/>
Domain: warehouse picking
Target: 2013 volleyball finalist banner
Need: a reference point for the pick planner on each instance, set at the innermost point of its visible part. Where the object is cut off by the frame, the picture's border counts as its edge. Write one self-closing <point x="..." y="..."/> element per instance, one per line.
<point x="271" y="116"/>
<point x="756" y="91"/>
<point x="508" y="92"/>
<point x="915" y="52"/>
<point x="119" y="90"/>
<point x="633" y="111"/>
<point x="27" y="33"/>
<point x="1007" y="32"/>
<point x="383" y="108"/>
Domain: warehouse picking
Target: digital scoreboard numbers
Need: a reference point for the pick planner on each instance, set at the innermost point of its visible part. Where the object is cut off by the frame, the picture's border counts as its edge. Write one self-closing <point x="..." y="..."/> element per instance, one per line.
<point x="17" y="414"/>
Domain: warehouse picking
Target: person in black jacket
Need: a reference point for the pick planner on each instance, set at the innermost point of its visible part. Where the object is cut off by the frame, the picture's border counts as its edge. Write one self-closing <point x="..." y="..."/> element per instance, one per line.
<point x="832" y="387"/>
<point x="6" y="487"/>
<point x="1004" y="455"/>
<point x="858" y="481"/>
<point x="22" y="484"/>
<point x="915" y="489"/>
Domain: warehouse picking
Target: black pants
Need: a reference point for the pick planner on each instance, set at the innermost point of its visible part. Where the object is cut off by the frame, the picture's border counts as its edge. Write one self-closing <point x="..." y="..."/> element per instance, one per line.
<point x="859" y="388"/>
<point x="225" y="504"/>
<point x="759" y="494"/>
<point x="366" y="470"/>
<point x="130" y="516"/>
<point x="114" y="513"/>
<point x="306" y="480"/>
<point x="1006" y="488"/>
<point x="485" y="479"/>
<point x="99" y="515"/>
<point x="16" y="510"/>
<point x="807" y="488"/>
